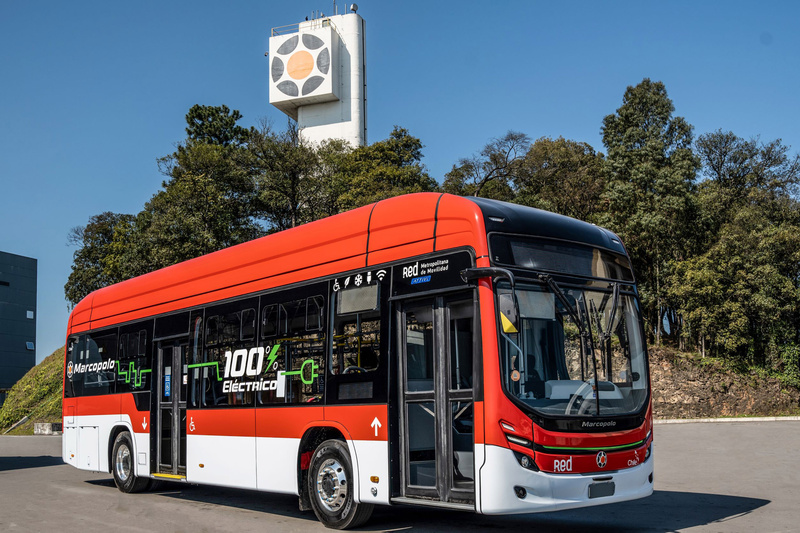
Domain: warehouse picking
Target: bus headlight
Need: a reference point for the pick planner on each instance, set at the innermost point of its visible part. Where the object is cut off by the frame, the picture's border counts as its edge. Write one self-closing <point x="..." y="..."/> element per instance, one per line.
<point x="526" y="461"/>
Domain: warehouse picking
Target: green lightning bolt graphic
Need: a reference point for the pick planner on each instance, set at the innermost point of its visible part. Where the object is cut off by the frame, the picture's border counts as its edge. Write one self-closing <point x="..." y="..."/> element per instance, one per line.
<point x="272" y="356"/>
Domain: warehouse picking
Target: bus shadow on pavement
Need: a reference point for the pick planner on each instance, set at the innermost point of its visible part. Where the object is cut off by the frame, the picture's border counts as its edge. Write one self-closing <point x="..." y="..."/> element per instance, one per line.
<point x="21" y="463"/>
<point x="251" y="500"/>
<point x="662" y="512"/>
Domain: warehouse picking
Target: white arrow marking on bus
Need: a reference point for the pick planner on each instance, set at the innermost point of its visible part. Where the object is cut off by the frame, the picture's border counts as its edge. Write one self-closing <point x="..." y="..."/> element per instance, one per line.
<point x="144" y="423"/>
<point x="376" y="424"/>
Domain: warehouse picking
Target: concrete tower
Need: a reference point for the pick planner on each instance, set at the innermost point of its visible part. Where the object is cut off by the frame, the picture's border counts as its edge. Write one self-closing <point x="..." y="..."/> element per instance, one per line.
<point x="318" y="77"/>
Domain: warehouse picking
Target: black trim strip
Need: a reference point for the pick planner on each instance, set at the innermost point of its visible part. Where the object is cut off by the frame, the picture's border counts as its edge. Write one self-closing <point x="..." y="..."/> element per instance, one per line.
<point x="369" y="225"/>
<point x="436" y="220"/>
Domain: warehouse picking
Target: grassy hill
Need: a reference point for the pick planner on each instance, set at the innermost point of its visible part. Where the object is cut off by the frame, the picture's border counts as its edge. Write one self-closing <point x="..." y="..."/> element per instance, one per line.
<point x="37" y="395"/>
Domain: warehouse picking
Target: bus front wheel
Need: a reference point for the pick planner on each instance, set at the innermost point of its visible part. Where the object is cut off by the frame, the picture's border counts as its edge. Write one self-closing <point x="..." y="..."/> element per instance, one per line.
<point x="330" y="483"/>
<point x="123" y="466"/>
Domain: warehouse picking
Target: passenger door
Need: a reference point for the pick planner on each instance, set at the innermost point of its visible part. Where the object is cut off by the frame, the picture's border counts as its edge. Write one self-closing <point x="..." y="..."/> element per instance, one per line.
<point x="436" y="389"/>
<point x="171" y="408"/>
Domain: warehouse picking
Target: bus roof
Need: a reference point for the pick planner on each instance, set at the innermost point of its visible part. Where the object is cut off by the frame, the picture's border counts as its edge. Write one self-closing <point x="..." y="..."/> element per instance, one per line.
<point x="505" y="217"/>
<point x="388" y="230"/>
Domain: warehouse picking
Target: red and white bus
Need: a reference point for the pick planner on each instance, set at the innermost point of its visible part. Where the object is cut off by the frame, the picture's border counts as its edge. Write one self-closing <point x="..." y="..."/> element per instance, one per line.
<point x="428" y="349"/>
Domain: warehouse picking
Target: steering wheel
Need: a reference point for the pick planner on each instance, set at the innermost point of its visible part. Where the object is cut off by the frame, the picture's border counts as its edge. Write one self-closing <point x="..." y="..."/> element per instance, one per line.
<point x="575" y="397"/>
<point x="353" y="369"/>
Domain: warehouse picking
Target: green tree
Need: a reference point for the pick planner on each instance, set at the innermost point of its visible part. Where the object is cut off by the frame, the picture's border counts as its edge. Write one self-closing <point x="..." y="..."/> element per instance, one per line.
<point x="192" y="216"/>
<point x="217" y="148"/>
<point x="562" y="176"/>
<point x="740" y="294"/>
<point x="92" y="262"/>
<point x="209" y="200"/>
<point x="382" y="170"/>
<point x="492" y="172"/>
<point x="286" y="173"/>
<point x="741" y="297"/>
<point x="650" y="172"/>
<point x="740" y="173"/>
<point x="215" y="125"/>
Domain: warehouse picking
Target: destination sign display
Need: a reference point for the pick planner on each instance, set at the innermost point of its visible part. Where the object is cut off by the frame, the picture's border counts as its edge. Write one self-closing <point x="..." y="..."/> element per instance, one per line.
<point x="429" y="274"/>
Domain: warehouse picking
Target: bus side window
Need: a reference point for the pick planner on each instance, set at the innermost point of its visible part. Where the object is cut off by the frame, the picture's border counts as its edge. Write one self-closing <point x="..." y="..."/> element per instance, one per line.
<point x="297" y="370"/>
<point x="134" y="367"/>
<point x="357" y="346"/>
<point x="230" y="333"/>
<point x="142" y="348"/>
<point x="306" y="355"/>
<point x="269" y="321"/>
<point x="314" y="316"/>
<point x="73" y="384"/>
<point x="213" y="374"/>
<point x="248" y="329"/>
<point x="99" y="372"/>
<point x="212" y="331"/>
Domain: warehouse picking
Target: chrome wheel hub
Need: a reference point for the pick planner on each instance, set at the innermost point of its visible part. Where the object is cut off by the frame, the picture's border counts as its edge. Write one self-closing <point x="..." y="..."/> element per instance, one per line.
<point x="122" y="463"/>
<point x="332" y="485"/>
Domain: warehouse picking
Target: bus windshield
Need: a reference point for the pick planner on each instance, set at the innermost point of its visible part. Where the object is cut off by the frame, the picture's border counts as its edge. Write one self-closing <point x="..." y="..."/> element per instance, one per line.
<point x="575" y="351"/>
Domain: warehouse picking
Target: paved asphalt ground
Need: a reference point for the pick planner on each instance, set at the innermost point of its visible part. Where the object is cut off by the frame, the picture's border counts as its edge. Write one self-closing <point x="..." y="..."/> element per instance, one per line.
<point x="741" y="476"/>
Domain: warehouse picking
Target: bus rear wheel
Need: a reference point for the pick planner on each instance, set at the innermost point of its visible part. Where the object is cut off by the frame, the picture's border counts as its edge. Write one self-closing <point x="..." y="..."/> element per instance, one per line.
<point x="123" y="465"/>
<point x="330" y="484"/>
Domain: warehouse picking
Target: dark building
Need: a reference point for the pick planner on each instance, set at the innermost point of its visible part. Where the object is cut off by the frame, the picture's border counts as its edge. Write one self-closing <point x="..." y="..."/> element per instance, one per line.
<point x="17" y="319"/>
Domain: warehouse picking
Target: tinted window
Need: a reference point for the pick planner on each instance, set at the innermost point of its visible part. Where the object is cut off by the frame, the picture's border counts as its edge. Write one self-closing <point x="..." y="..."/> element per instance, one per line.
<point x="230" y="366"/>
<point x="560" y="256"/>
<point x="295" y="354"/>
<point x="91" y="364"/>
<point x="135" y="368"/>
<point x="269" y="321"/>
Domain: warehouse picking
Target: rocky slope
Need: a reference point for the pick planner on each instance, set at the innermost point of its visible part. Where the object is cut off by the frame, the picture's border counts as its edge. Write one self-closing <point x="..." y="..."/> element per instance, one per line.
<point x="685" y="387"/>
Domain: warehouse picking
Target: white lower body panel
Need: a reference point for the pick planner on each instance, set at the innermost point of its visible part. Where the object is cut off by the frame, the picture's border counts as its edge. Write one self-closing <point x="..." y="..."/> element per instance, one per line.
<point x="552" y="492"/>
<point x="277" y="464"/>
<point x="223" y="461"/>
<point x="370" y="460"/>
<point x="87" y="440"/>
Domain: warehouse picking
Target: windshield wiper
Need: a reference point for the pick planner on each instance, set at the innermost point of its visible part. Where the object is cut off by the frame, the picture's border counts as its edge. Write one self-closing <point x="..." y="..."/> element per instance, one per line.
<point x="605" y="333"/>
<point x="587" y="341"/>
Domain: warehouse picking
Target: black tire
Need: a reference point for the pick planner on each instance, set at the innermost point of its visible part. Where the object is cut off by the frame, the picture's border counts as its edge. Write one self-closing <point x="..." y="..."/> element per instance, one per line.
<point x="330" y="487"/>
<point x="123" y="465"/>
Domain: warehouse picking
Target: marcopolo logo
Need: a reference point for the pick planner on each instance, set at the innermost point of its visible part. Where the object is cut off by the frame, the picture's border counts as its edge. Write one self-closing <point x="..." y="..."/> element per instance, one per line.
<point x="599" y="424"/>
<point x="81" y="368"/>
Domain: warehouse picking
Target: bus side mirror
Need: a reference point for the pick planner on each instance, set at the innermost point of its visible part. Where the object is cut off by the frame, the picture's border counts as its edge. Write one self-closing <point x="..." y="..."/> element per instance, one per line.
<point x="509" y="312"/>
<point x="506" y="303"/>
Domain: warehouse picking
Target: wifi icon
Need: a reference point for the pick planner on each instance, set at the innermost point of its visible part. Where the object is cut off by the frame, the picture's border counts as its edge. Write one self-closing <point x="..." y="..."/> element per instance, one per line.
<point x="380" y="274"/>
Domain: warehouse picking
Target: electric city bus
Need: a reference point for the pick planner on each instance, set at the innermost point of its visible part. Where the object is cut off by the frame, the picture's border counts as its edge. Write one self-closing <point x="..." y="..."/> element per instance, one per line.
<point x="427" y="349"/>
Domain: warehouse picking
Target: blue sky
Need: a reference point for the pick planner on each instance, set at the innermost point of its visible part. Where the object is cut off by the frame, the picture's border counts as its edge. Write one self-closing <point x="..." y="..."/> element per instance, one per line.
<point x="92" y="93"/>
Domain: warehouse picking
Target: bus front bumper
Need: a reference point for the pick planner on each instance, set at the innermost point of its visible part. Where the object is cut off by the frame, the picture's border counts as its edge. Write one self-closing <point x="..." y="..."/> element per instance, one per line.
<point x="502" y="477"/>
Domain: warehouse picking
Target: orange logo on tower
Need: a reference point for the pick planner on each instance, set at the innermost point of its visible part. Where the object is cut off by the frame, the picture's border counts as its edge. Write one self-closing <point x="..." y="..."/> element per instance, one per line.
<point x="301" y="65"/>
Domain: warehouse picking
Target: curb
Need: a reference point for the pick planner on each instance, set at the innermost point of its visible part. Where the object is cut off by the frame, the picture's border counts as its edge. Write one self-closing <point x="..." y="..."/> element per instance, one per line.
<point x="727" y="420"/>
